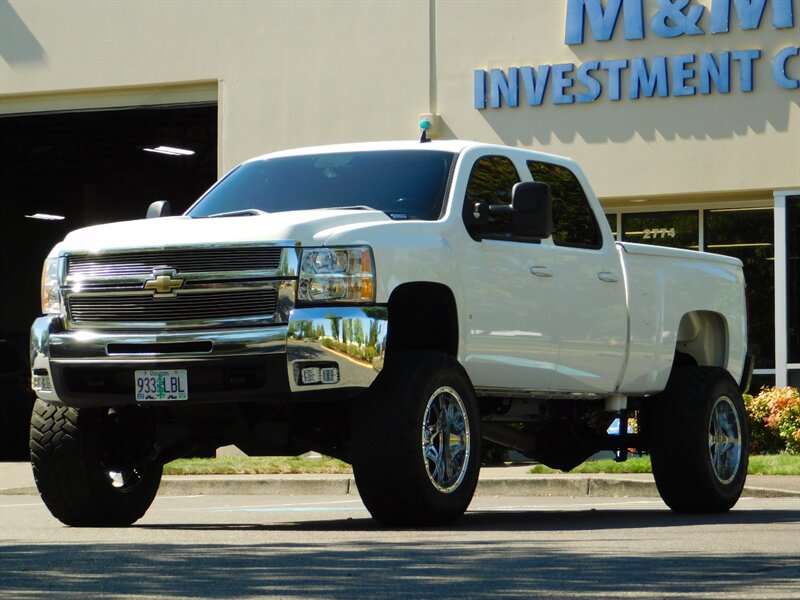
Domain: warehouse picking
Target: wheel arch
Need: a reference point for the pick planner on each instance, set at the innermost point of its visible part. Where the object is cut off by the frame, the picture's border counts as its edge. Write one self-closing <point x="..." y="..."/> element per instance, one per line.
<point x="703" y="336"/>
<point x="422" y="316"/>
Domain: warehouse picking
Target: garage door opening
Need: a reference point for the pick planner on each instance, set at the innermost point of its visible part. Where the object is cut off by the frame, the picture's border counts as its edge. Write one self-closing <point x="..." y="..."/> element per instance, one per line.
<point x="62" y="171"/>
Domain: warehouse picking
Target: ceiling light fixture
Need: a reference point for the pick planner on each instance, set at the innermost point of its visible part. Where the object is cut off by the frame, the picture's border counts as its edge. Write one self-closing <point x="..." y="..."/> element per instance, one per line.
<point x="169" y="151"/>
<point x="45" y="217"/>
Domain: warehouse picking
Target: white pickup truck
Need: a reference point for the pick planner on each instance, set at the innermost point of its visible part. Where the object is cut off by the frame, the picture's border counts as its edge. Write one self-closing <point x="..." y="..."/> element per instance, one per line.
<point x="396" y="305"/>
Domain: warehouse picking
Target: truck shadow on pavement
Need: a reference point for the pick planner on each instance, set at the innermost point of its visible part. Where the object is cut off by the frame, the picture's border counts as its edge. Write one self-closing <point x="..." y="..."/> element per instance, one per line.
<point x="513" y="520"/>
<point x="406" y="568"/>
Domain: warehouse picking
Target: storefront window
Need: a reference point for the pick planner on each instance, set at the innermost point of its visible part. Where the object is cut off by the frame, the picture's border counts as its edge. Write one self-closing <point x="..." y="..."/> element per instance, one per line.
<point x="678" y="229"/>
<point x="793" y="277"/>
<point x="748" y="234"/>
<point x="760" y="381"/>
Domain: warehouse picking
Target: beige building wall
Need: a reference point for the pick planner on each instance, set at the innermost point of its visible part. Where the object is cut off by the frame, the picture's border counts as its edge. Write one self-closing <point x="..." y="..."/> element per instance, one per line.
<point x="629" y="148"/>
<point x="289" y="74"/>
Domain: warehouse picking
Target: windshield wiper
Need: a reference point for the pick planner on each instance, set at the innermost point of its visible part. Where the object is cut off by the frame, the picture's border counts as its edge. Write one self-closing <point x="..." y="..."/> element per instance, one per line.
<point x="355" y="207"/>
<point x="245" y="212"/>
<point x="250" y="212"/>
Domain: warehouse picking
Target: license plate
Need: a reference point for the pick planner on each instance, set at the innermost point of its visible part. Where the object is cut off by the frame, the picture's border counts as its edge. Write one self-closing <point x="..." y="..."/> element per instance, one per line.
<point x="162" y="385"/>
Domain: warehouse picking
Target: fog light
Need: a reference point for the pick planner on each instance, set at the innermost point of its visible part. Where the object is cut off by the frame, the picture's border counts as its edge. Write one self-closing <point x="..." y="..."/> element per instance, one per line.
<point x="319" y="375"/>
<point x="40" y="382"/>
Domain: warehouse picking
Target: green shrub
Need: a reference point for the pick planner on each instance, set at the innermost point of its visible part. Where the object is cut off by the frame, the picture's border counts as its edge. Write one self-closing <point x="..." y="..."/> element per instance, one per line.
<point x="774" y="416"/>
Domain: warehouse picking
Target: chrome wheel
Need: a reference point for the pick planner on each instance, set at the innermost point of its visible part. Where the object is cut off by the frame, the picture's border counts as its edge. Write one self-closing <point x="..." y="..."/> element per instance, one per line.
<point x="698" y="437"/>
<point x="423" y="469"/>
<point x="445" y="439"/>
<point x="725" y="440"/>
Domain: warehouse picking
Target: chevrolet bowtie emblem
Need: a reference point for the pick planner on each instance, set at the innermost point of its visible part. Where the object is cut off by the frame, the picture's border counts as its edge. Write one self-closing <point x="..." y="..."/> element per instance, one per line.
<point x="164" y="282"/>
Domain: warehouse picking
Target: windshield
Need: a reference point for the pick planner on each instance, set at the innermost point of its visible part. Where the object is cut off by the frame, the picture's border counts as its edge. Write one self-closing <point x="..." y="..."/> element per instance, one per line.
<point x="405" y="184"/>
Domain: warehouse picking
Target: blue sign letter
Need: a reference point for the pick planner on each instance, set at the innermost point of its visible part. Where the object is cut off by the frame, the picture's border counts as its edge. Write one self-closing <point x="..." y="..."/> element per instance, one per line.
<point x="670" y="21"/>
<point x="614" y="68"/>
<point x="746" y="58"/>
<point x="500" y="87"/>
<point x="750" y="13"/>
<point x="602" y="22"/>
<point x="479" y="91"/>
<point x="779" y="68"/>
<point x="594" y="86"/>
<point x="680" y="73"/>
<point x="720" y="73"/>
<point x="535" y="86"/>
<point x="561" y="82"/>
<point x="648" y="82"/>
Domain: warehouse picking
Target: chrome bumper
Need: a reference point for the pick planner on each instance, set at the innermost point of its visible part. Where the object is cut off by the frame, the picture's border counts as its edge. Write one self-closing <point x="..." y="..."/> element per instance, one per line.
<point x="347" y="343"/>
<point x="353" y="339"/>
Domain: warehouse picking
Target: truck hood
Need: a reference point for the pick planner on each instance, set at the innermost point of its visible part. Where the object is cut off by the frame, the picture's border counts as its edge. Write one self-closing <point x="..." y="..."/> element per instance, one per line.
<point x="306" y="227"/>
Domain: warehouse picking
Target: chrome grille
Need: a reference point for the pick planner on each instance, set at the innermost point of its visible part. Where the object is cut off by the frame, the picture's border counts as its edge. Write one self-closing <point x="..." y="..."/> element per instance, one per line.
<point x="196" y="260"/>
<point x="144" y="308"/>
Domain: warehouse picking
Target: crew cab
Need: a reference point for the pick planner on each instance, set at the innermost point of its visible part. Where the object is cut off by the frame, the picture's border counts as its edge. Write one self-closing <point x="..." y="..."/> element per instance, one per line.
<point x="399" y="306"/>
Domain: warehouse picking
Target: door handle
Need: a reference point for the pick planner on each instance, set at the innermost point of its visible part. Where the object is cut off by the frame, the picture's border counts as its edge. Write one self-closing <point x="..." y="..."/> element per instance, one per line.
<point x="542" y="271"/>
<point x="608" y="277"/>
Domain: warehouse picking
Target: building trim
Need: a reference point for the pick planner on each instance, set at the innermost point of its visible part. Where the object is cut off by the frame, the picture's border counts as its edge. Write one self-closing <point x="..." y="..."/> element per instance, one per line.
<point x="781" y="313"/>
<point x="195" y="92"/>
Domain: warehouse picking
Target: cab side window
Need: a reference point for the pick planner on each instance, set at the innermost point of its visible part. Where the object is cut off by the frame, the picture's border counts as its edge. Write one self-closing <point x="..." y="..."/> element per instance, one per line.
<point x="490" y="182"/>
<point x="574" y="223"/>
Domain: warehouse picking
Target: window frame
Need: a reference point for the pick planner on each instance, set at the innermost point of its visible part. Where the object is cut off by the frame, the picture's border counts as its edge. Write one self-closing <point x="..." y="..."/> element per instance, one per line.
<point x="599" y="244"/>
<point x="475" y="230"/>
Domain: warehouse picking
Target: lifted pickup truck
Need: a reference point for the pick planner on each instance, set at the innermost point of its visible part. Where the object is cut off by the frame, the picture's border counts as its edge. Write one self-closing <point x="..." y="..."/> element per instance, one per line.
<point x="395" y="305"/>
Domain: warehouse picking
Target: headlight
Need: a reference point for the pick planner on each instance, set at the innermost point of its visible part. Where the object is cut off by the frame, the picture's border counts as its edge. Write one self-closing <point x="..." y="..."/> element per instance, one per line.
<point x="51" y="294"/>
<point x="337" y="275"/>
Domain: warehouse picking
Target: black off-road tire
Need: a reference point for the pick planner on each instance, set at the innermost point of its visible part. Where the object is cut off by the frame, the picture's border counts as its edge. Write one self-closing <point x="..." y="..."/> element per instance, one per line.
<point x="78" y="481"/>
<point x="699" y="440"/>
<point x="397" y="432"/>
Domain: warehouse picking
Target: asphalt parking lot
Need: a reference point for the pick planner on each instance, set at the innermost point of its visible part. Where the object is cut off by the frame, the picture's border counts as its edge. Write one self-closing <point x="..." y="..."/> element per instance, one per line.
<point x="326" y="546"/>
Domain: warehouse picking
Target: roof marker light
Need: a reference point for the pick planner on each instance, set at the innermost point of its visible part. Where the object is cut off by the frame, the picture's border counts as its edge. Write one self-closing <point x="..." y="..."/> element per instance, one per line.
<point x="45" y="217"/>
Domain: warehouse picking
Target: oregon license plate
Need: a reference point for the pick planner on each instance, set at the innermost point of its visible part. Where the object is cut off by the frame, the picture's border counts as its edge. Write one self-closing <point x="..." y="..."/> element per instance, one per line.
<point x="171" y="384"/>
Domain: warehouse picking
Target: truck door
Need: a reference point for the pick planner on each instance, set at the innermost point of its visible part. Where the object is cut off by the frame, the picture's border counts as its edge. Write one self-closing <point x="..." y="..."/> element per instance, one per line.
<point x="511" y="336"/>
<point x="590" y="308"/>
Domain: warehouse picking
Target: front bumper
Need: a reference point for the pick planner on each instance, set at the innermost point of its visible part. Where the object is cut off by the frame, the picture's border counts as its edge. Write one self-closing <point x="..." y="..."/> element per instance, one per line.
<point x="96" y="368"/>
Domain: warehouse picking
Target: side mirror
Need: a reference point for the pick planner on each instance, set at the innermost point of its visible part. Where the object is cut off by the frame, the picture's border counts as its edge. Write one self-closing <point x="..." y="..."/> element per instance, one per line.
<point x="159" y="208"/>
<point x="532" y="205"/>
<point x="480" y="213"/>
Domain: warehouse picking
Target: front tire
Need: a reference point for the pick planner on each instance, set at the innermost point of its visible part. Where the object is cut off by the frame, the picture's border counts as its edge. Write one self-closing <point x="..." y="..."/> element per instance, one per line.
<point x="416" y="443"/>
<point x="699" y="441"/>
<point x="85" y="474"/>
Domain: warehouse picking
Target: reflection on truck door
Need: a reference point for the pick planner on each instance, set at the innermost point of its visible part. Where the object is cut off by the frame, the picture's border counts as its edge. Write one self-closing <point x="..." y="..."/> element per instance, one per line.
<point x="590" y="310"/>
<point x="512" y="338"/>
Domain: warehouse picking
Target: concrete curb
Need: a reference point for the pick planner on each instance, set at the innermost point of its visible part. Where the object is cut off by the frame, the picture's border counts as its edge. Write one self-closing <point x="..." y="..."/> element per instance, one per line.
<point x="511" y="487"/>
<point x="757" y="492"/>
<point x="20" y="491"/>
<point x="291" y="485"/>
<point x="275" y="485"/>
<point x="336" y="485"/>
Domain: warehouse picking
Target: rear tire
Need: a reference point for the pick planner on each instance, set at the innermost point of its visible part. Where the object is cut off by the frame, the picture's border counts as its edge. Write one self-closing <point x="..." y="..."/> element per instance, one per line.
<point x="699" y="440"/>
<point x="84" y="477"/>
<point x="416" y="443"/>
